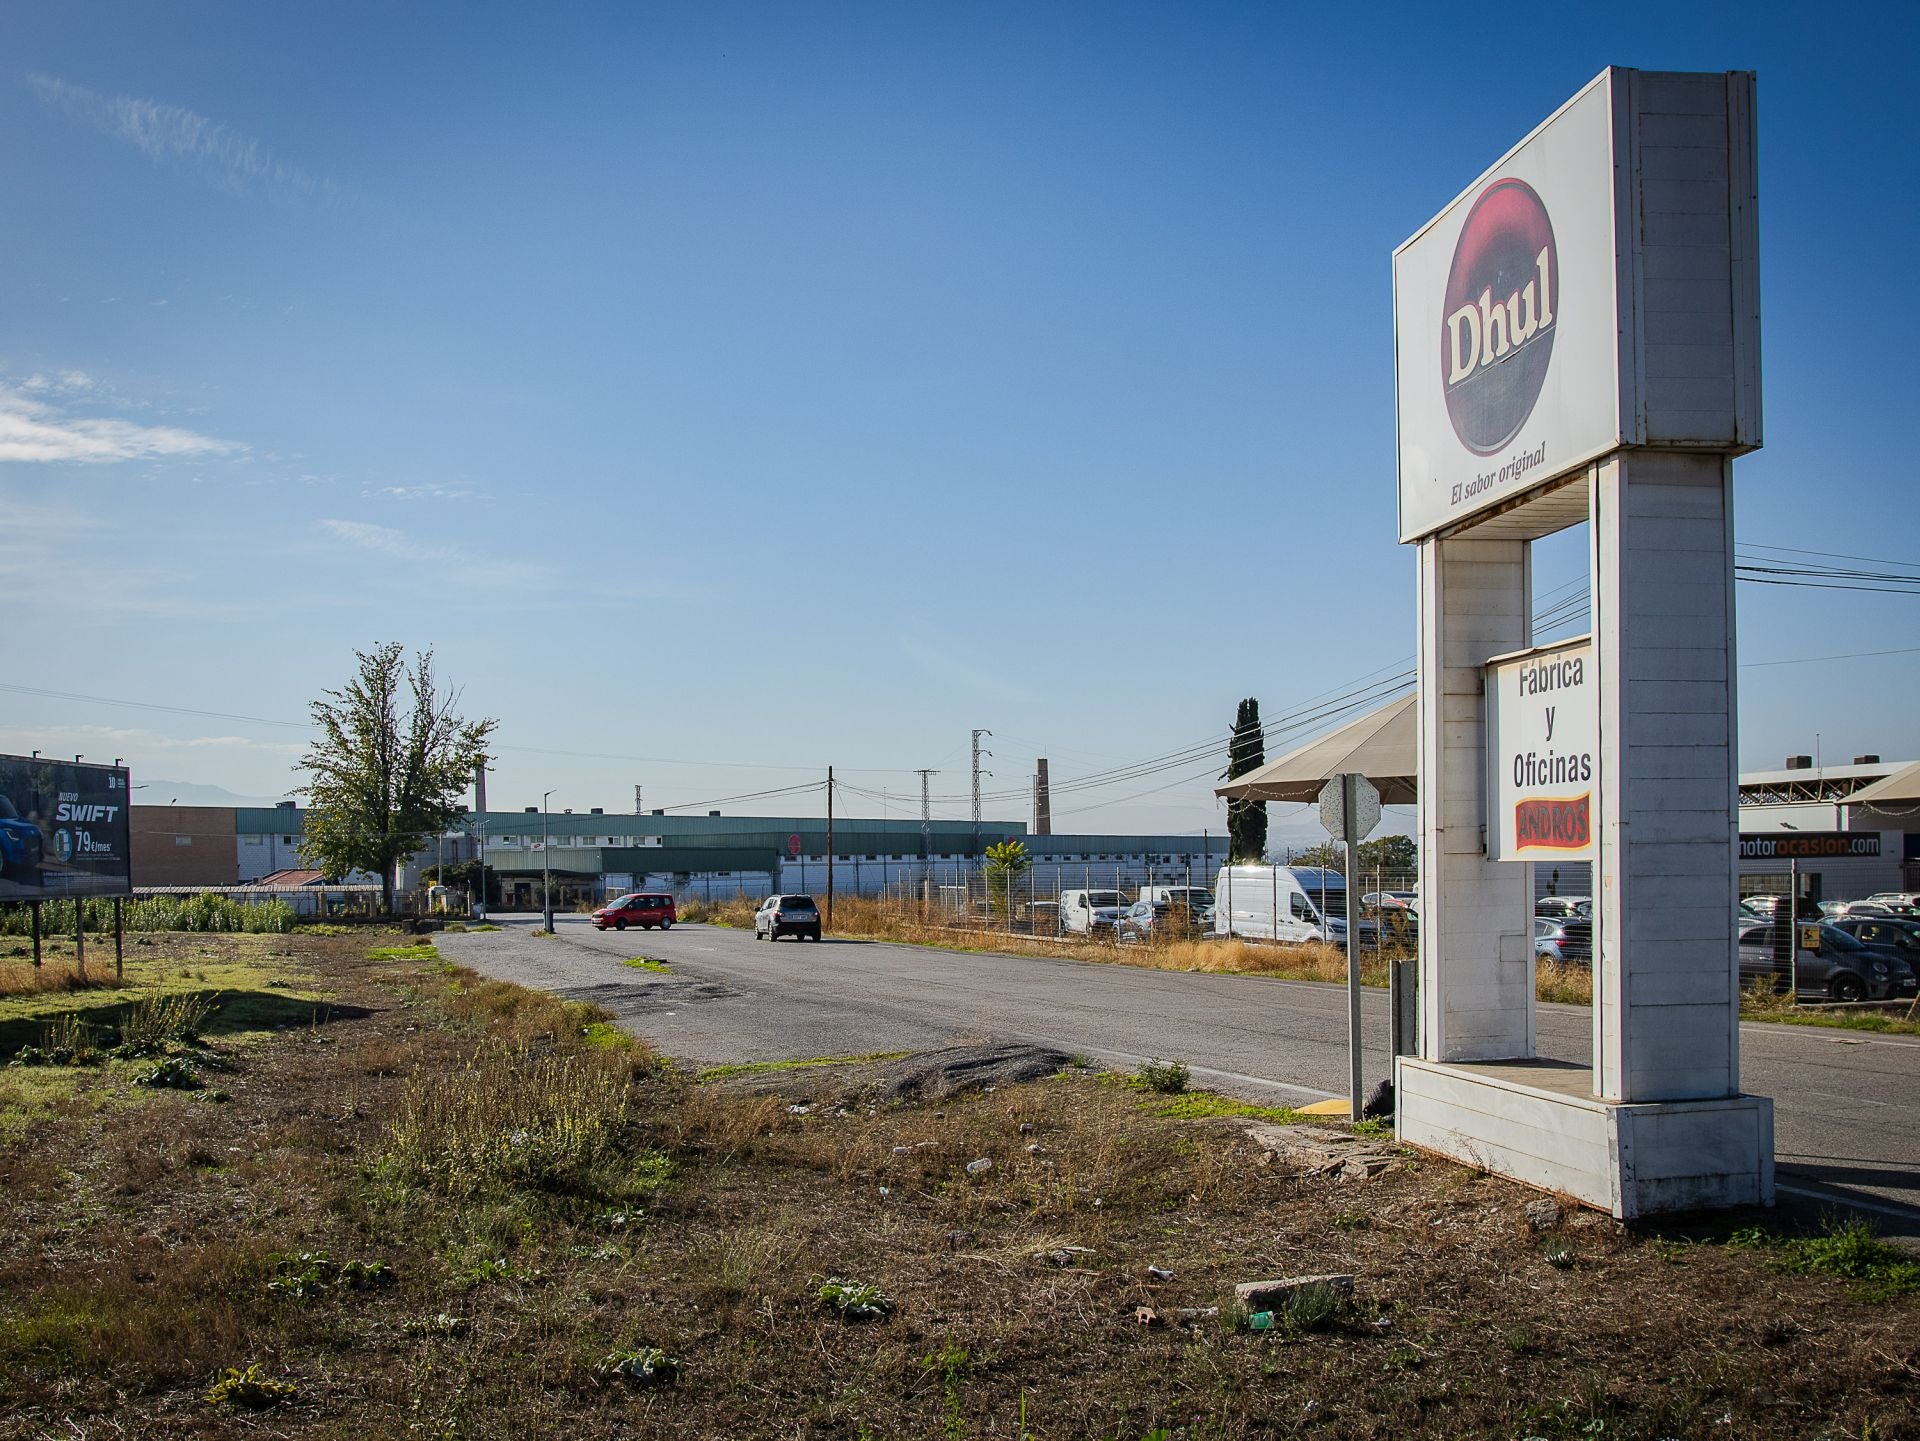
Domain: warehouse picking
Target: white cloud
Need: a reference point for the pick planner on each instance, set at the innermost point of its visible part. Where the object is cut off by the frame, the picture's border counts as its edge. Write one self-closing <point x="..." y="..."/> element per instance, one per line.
<point x="454" y="560"/>
<point x="232" y="161"/>
<point x="430" y="492"/>
<point x="33" y="429"/>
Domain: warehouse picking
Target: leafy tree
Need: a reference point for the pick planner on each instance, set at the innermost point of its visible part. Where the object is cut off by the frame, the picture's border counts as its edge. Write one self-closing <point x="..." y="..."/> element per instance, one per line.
<point x="1391" y="855"/>
<point x="1246" y="820"/>
<point x="1007" y="861"/>
<point x="1326" y="854"/>
<point x="388" y="768"/>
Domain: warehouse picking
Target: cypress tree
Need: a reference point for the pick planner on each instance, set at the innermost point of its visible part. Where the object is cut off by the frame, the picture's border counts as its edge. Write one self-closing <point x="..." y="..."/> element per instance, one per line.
<point x="1246" y="820"/>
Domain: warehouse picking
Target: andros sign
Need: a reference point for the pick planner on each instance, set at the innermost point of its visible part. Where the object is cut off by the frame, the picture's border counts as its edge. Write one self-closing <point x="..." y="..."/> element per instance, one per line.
<point x="1543" y="738"/>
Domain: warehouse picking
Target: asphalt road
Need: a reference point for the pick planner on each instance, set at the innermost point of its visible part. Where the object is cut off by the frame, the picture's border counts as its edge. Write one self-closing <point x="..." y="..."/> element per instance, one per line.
<point x="1844" y="1101"/>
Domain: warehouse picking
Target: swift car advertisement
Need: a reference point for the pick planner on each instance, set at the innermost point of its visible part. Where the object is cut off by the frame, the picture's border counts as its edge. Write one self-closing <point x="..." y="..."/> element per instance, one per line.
<point x="64" y="830"/>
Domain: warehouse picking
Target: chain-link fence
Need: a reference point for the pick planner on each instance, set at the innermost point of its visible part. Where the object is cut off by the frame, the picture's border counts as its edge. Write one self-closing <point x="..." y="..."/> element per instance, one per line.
<point x="1101" y="900"/>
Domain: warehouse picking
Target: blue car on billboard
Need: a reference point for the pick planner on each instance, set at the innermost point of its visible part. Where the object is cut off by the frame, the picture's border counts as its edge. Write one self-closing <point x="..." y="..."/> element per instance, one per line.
<point x="21" y="846"/>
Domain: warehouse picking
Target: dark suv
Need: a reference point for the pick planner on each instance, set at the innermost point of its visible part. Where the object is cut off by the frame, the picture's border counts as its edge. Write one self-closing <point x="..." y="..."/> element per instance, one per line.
<point x="787" y="916"/>
<point x="21" y="846"/>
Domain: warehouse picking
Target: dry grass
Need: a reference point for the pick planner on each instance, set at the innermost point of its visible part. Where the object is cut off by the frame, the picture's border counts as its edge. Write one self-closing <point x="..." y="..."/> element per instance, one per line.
<point x="141" y="1244"/>
<point x="53" y="979"/>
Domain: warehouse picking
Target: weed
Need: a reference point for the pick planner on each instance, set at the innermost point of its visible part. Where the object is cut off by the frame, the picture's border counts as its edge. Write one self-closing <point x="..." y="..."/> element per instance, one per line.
<point x="250" y="1390"/>
<point x="644" y="1366"/>
<point x="156" y="1020"/>
<point x="306" y="1274"/>
<point x="641" y="963"/>
<point x="1169" y="1078"/>
<point x="1312" y="1308"/>
<point x="1558" y="1253"/>
<point x="508" y="1117"/>
<point x="856" y="1300"/>
<point x="172" y="1073"/>
<point x="484" y="926"/>
<point x="1845" y="1248"/>
<point x="1351" y="1221"/>
<point x="952" y="1362"/>
<point x="1377" y="1129"/>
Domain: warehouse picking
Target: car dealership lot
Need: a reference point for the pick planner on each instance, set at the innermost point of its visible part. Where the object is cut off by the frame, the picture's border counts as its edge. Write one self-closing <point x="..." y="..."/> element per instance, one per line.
<point x="1842" y="1099"/>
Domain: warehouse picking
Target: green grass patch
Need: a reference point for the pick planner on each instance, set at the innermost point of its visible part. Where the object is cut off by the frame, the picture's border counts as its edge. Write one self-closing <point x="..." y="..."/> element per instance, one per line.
<point x="423" y="951"/>
<point x="641" y="963"/>
<point x="1205" y="1105"/>
<point x="1882" y="1022"/>
<point x="1847" y="1249"/>
<point x="484" y="926"/>
<point x="604" y="1036"/>
<point x="757" y="1068"/>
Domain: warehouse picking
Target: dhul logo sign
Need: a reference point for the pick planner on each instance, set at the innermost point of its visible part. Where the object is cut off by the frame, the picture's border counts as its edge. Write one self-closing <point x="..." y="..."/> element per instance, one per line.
<point x="1498" y="334"/>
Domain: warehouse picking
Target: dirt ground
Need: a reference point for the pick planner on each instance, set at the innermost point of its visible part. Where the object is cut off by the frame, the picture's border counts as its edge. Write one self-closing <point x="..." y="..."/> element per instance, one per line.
<point x="535" y="1202"/>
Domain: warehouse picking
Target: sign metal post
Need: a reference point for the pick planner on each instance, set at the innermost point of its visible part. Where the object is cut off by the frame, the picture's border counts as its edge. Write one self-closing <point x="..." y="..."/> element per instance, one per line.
<point x="1350" y="809"/>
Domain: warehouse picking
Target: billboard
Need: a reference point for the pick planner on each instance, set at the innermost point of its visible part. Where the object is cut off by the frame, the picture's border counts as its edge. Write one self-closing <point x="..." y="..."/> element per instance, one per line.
<point x="64" y="830"/>
<point x="1543" y="732"/>
<point x="1807" y="845"/>
<point x="1596" y="288"/>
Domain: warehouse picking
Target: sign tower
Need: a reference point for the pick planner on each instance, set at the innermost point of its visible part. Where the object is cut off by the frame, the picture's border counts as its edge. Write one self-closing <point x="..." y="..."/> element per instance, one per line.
<point x="1577" y="340"/>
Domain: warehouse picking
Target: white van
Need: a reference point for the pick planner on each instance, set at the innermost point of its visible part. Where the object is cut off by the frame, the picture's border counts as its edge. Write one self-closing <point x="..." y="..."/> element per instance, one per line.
<point x="1268" y="903"/>
<point x="1090" y="913"/>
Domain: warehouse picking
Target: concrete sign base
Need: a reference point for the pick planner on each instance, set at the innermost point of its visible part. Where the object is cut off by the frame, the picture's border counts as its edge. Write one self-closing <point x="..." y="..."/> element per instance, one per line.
<point x="1538" y="1122"/>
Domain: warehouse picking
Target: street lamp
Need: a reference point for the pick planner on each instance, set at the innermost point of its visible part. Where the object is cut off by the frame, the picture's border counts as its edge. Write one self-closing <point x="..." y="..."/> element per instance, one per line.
<point x="546" y="865"/>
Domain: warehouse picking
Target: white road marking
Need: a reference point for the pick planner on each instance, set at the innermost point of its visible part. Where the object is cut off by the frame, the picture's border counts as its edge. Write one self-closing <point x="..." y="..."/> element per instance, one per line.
<point x="1905" y="1213"/>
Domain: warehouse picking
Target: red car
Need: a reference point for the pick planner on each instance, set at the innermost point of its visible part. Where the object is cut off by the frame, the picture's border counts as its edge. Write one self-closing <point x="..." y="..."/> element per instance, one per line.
<point x="636" y="910"/>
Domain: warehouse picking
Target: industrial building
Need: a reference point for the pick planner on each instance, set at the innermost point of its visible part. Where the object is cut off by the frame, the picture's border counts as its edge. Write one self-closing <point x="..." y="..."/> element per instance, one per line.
<point x="593" y="854"/>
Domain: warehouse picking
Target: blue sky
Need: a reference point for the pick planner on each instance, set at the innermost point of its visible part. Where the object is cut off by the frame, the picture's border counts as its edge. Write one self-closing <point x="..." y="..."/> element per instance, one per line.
<point x="725" y="391"/>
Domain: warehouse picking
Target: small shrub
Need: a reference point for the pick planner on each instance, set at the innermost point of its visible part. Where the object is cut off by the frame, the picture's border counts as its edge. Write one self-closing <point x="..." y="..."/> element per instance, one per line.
<point x="250" y="1390"/>
<point x="856" y="1300"/>
<point x="1167" y="1077"/>
<point x="1558" y="1253"/>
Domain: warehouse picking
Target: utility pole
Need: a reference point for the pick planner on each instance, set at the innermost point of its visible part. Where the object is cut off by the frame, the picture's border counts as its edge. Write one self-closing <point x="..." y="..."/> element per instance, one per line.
<point x="1042" y="800"/>
<point x="977" y="753"/>
<point x="639" y="808"/>
<point x="926" y="816"/>
<point x="829" y="847"/>
<point x="546" y="864"/>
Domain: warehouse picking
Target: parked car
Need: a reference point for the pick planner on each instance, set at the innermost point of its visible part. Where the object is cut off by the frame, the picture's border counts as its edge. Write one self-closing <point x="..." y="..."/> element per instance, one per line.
<point x="1195" y="901"/>
<point x="1842" y="968"/>
<point x="1870" y="907"/>
<point x="1143" y="921"/>
<point x="1910" y="899"/>
<point x="787" y="916"/>
<point x="1566" y="942"/>
<point x="1562" y="908"/>
<point x="21" y="846"/>
<point x="643" y="909"/>
<point x="1090" y="913"/>
<point x="1390" y="900"/>
<point x="1894" y="933"/>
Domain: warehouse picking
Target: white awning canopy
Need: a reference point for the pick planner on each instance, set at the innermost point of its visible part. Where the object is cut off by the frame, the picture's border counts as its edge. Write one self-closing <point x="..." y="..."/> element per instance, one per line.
<point x="1899" y="789"/>
<point x="1382" y="745"/>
